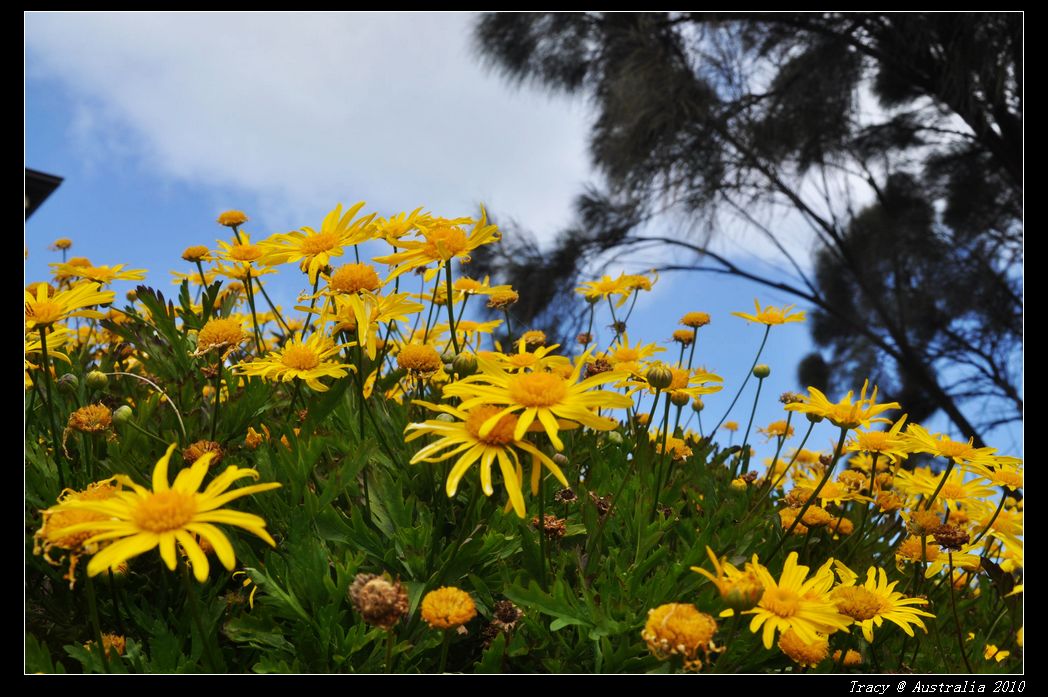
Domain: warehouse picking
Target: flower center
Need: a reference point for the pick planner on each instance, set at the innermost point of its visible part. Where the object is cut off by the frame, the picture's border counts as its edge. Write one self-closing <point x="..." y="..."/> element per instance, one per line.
<point x="951" y="448"/>
<point x="781" y="602"/>
<point x="521" y="360"/>
<point x="165" y="511"/>
<point x="537" y="389"/>
<point x="419" y="358"/>
<point x="625" y="355"/>
<point x="47" y="312"/>
<point x="300" y="358"/>
<point x="500" y="435"/>
<point x="444" y="242"/>
<point x="773" y="316"/>
<point x="219" y="332"/>
<point x="857" y="602"/>
<point x="953" y="491"/>
<point x="319" y="243"/>
<point x="875" y="440"/>
<point x="245" y="252"/>
<point x="680" y="379"/>
<point x="353" y="278"/>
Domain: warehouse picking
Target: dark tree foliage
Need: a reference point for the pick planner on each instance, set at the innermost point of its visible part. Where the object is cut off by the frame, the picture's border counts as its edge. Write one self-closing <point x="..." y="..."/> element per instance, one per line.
<point x="897" y="138"/>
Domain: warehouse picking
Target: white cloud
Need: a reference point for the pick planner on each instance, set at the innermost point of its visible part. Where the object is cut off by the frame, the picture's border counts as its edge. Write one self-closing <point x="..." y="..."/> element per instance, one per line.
<point x="301" y="111"/>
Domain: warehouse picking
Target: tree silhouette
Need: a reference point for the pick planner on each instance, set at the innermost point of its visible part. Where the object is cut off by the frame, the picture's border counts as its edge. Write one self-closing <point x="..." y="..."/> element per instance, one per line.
<point x="895" y="138"/>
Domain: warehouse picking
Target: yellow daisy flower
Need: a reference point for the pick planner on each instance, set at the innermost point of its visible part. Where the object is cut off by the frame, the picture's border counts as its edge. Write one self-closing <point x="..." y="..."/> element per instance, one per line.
<point x="464" y="438"/>
<point x="941" y="445"/>
<point x="875" y="601"/>
<point x="796" y="602"/>
<point x="442" y="241"/>
<point x="844" y="413"/>
<point x="772" y="315"/>
<point x="313" y="249"/>
<point x="308" y="360"/>
<point x="43" y="310"/>
<point x="99" y="274"/>
<point x="540" y="395"/>
<point x="140" y="520"/>
<point x="605" y="287"/>
<point x="739" y="589"/>
<point x="623" y="352"/>
<point x="890" y="444"/>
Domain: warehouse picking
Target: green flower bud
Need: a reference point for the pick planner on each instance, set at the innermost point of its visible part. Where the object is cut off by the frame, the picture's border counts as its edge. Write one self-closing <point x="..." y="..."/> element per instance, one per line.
<point x="761" y="371"/>
<point x="96" y="380"/>
<point x="68" y="383"/>
<point x="464" y="364"/>
<point x="122" y="414"/>
<point x="659" y="377"/>
<point x="679" y="399"/>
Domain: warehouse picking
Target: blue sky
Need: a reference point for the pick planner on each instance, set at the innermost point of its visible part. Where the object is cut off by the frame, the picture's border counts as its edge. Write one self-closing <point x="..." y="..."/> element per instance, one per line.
<point x="159" y="121"/>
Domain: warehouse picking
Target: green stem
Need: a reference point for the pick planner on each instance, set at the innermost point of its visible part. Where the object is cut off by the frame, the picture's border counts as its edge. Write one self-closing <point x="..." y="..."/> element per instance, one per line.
<point x="312" y="304"/>
<point x="218" y="399"/>
<point x="390" y="639"/>
<point x="259" y="344"/>
<point x="542" y="530"/>
<point x="1000" y="507"/>
<point x="116" y="605"/>
<point x="694" y="340"/>
<point x="445" y="645"/>
<point x="273" y="307"/>
<point x="744" y="454"/>
<point x="450" y="303"/>
<point x="45" y="366"/>
<point x="749" y="374"/>
<point x="143" y="431"/>
<point x="956" y="618"/>
<point x="96" y="627"/>
<point x="194" y="610"/>
<point x="942" y="482"/>
<point x="203" y="279"/>
<point x="814" y="495"/>
<point x="662" y="458"/>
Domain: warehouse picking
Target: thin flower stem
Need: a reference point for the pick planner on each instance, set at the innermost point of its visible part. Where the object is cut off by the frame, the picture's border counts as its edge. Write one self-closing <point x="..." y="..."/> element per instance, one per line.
<point x="259" y="344"/>
<point x="45" y="365"/>
<point x="814" y="495"/>
<point x="956" y="618"/>
<point x="749" y="374"/>
<point x="312" y="305"/>
<point x="203" y="279"/>
<point x="143" y="431"/>
<point x="694" y="341"/>
<point x="218" y="399"/>
<point x="273" y="307"/>
<point x="542" y="530"/>
<point x="178" y="415"/>
<point x="744" y="454"/>
<point x="444" y="646"/>
<point x="391" y="638"/>
<point x="662" y="458"/>
<point x="942" y="482"/>
<point x="429" y="317"/>
<point x="866" y="508"/>
<point x="633" y="304"/>
<point x="451" y="311"/>
<point x="1000" y="507"/>
<point x="766" y="491"/>
<point x="116" y="604"/>
<point x="194" y="610"/>
<point x="614" y="320"/>
<point x="589" y="329"/>
<point x="96" y="627"/>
